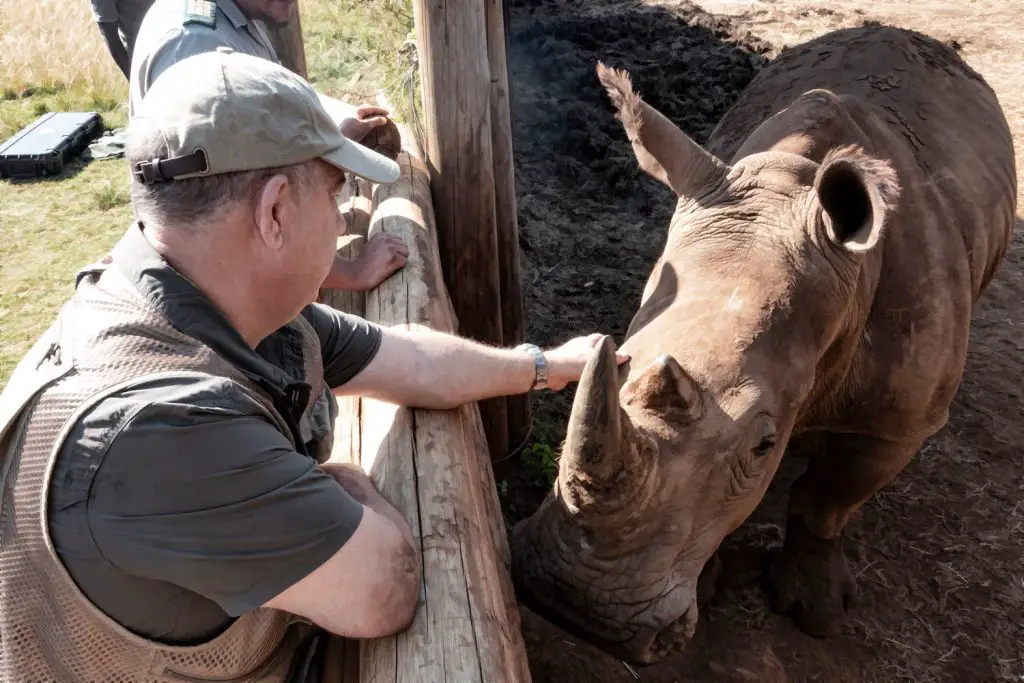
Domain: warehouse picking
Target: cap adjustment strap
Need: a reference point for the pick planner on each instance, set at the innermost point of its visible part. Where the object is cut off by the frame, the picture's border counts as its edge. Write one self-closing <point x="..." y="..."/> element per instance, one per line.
<point x="161" y="170"/>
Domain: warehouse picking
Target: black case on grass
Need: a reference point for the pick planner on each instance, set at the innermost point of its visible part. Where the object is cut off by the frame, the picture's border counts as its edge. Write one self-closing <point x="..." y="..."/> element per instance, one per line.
<point x="45" y="145"/>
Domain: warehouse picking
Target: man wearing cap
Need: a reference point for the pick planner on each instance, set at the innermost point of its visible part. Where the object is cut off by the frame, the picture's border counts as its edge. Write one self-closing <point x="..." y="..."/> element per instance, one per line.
<point x="176" y="29"/>
<point x="168" y="512"/>
<point x="119" y="22"/>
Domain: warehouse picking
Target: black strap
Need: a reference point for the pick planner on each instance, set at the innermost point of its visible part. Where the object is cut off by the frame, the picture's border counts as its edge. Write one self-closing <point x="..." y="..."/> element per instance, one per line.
<point x="162" y="170"/>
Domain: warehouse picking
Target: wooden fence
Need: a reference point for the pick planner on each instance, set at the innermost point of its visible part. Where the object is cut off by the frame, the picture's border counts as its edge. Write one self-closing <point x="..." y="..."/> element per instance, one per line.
<point x="435" y="466"/>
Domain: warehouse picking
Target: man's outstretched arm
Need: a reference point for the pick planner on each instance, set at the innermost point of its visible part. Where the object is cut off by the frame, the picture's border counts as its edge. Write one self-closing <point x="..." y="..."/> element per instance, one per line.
<point x="423" y="368"/>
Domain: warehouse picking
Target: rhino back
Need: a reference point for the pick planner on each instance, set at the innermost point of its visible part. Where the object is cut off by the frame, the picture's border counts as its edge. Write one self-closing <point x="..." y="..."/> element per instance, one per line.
<point x="909" y="99"/>
<point x="912" y="100"/>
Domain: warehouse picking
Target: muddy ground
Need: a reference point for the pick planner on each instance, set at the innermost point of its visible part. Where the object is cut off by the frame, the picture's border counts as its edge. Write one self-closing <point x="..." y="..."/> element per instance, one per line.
<point x="938" y="554"/>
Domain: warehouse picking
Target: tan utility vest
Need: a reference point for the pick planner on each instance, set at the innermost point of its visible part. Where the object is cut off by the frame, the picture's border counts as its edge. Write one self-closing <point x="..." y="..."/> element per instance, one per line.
<point x="107" y="338"/>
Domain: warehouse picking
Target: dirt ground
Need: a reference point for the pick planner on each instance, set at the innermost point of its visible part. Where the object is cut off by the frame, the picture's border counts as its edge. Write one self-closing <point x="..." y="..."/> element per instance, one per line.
<point x="939" y="555"/>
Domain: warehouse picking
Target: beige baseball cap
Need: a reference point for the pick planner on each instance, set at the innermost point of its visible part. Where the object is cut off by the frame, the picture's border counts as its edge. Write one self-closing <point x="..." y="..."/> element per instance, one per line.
<point x="223" y="111"/>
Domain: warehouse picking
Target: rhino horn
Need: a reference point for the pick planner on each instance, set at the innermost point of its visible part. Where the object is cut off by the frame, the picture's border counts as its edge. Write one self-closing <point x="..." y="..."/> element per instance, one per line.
<point x="593" y="445"/>
<point x="662" y="149"/>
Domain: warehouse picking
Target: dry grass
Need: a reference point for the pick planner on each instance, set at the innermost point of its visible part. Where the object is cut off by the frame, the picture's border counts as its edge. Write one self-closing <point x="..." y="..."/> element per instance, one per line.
<point x="356" y="47"/>
<point x="52" y="43"/>
<point x="54" y="59"/>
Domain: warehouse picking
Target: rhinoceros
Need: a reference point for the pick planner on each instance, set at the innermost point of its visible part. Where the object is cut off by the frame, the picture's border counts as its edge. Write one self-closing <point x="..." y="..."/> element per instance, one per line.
<point x="814" y="295"/>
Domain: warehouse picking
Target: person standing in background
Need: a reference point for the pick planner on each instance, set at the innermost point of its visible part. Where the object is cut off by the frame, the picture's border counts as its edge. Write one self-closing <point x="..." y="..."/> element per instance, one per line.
<point x="119" y="22"/>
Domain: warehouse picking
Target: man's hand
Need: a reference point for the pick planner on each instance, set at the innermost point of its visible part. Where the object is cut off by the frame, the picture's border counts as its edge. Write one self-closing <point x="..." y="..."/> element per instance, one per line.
<point x="366" y="119"/>
<point x="382" y="256"/>
<point x="566" y="362"/>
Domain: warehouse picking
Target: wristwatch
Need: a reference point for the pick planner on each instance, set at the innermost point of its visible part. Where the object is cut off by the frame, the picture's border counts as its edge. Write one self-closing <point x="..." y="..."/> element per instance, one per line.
<point x="540" y="364"/>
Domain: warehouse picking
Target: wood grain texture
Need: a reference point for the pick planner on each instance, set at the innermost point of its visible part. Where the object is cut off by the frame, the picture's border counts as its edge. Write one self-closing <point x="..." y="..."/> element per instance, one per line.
<point x="356" y="206"/>
<point x="434" y="467"/>
<point x="456" y="85"/>
<point x="518" y="407"/>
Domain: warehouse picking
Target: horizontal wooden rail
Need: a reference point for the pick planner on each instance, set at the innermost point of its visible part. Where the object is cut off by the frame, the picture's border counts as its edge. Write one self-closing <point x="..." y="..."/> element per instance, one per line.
<point x="434" y="466"/>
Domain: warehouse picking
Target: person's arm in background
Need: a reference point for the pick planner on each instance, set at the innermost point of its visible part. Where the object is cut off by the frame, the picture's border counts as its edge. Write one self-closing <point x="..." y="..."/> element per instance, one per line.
<point x="117" y="49"/>
<point x="356" y="121"/>
<point x="105" y="15"/>
<point x="383" y="254"/>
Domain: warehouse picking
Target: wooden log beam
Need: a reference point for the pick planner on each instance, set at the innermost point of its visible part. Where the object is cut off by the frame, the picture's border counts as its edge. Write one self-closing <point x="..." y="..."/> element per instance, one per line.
<point x="287" y="42"/>
<point x="433" y="466"/>
<point x="356" y="206"/>
<point x="456" y="84"/>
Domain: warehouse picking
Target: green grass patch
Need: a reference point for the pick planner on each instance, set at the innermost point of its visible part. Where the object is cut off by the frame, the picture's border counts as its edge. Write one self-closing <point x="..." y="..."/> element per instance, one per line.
<point x="22" y="107"/>
<point x="49" y="229"/>
<point x="541" y="462"/>
<point x="18" y="112"/>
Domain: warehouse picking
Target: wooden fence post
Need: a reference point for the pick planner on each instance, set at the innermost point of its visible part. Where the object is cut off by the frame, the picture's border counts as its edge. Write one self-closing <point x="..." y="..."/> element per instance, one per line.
<point x="517" y="407"/>
<point x="468" y="149"/>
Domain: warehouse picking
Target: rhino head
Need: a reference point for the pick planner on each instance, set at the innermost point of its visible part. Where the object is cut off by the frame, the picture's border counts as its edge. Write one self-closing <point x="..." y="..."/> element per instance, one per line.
<point x="745" y="318"/>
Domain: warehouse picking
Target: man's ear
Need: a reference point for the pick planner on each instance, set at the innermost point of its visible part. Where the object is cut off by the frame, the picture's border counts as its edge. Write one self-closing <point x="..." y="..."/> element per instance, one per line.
<point x="857" y="193"/>
<point x="271" y="203"/>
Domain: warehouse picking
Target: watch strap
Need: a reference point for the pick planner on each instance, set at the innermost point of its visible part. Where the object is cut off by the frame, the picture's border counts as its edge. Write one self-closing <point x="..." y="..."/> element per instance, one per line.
<point x="540" y="366"/>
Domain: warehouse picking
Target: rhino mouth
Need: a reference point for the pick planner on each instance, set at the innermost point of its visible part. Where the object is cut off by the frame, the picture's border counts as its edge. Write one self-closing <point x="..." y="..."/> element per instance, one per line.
<point x="642" y="646"/>
<point x="630" y="641"/>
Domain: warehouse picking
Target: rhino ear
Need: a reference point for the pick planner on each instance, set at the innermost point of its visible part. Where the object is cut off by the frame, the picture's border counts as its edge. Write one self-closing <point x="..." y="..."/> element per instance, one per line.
<point x="662" y="149"/>
<point x="857" y="193"/>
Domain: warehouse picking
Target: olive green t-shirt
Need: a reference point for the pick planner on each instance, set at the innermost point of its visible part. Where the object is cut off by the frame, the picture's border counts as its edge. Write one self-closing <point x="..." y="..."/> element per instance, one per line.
<point x="174" y="506"/>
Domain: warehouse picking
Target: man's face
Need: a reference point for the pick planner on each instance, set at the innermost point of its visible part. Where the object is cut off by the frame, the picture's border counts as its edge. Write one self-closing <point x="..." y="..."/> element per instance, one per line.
<point x="275" y="13"/>
<point x="295" y="237"/>
<point x="314" y="240"/>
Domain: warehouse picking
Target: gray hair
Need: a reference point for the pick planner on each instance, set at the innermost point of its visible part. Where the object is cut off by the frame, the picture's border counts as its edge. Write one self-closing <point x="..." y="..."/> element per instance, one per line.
<point x="189" y="202"/>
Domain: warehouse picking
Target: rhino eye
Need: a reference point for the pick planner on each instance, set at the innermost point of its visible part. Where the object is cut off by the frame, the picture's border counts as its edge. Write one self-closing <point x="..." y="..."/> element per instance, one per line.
<point x="765" y="445"/>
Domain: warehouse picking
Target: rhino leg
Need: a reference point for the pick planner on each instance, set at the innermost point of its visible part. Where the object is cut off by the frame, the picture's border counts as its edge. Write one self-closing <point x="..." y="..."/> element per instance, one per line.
<point x="810" y="577"/>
